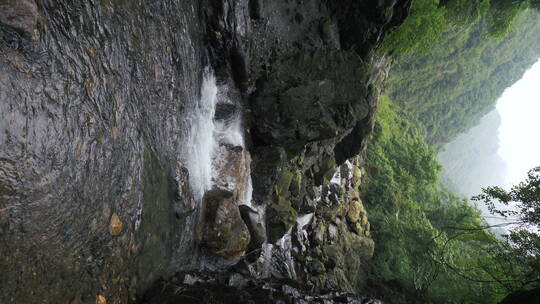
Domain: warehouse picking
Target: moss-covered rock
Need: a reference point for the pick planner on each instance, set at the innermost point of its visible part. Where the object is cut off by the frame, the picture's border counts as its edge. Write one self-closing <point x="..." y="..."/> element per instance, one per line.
<point x="297" y="188"/>
<point x="280" y="217"/>
<point x="325" y="171"/>
<point x="354" y="212"/>
<point x="284" y="182"/>
<point x="224" y="231"/>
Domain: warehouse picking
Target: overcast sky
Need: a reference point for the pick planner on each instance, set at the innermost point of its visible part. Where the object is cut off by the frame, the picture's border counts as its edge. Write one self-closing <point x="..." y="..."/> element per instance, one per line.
<point x="519" y="133"/>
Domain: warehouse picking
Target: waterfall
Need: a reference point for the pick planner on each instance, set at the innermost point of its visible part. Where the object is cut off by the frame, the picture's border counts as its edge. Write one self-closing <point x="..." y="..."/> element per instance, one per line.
<point x="207" y="133"/>
<point x="201" y="142"/>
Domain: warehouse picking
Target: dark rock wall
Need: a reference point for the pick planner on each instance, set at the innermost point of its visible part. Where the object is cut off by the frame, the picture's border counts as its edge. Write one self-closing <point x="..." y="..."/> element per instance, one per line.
<point x="95" y="98"/>
<point x="309" y="81"/>
<point x="90" y="127"/>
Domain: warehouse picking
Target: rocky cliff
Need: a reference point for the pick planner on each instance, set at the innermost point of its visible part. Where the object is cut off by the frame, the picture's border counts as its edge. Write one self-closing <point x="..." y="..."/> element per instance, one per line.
<point x="142" y="140"/>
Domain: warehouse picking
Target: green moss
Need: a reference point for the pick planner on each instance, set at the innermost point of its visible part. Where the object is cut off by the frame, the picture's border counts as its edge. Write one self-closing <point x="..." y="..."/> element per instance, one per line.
<point x="284" y="182"/>
<point x="296" y="183"/>
<point x="280" y="217"/>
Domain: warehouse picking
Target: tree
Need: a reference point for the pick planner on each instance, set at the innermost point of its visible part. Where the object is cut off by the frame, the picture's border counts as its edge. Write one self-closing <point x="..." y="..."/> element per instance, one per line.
<point x="521" y="254"/>
<point x="525" y="197"/>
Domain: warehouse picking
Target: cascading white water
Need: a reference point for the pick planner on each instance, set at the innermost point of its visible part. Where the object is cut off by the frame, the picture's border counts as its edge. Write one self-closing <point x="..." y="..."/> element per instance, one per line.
<point x="201" y="142"/>
<point x="206" y="134"/>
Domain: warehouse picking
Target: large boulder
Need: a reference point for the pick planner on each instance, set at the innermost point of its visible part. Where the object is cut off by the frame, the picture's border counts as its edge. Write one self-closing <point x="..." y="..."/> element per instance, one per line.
<point x="224" y="231"/>
<point x="280" y="217"/>
<point x="231" y="166"/>
<point x="312" y="96"/>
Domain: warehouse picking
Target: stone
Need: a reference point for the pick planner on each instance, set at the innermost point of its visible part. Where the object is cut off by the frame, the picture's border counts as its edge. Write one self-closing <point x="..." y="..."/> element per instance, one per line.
<point x="21" y="15"/>
<point x="266" y="170"/>
<point x="116" y="227"/>
<point x="357" y="176"/>
<point x="232" y="167"/>
<point x="334" y="256"/>
<point x="101" y="299"/>
<point x="327" y="168"/>
<point x="284" y="182"/>
<point x="256" y="229"/>
<point x="332" y="232"/>
<point x="225" y="111"/>
<point x="224" y="231"/>
<point x="309" y="97"/>
<point x="280" y="217"/>
<point x="355" y="210"/>
<point x="358" y="228"/>
<point x="296" y="183"/>
<point x="318" y="233"/>
<point x="330" y="33"/>
<point x="318" y="268"/>
<point x="364" y="219"/>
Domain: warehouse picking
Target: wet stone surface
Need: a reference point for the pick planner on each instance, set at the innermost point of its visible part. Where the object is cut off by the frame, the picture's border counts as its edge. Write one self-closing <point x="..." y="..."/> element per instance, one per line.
<point x="98" y="99"/>
<point x="92" y="115"/>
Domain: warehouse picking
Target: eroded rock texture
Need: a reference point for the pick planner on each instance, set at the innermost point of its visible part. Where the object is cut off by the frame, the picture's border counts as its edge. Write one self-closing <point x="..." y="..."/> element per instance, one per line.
<point x="91" y="122"/>
<point x="96" y="103"/>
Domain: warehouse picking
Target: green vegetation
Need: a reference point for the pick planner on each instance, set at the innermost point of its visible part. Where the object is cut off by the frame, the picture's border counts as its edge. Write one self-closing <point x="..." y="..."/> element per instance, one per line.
<point x="431" y="247"/>
<point x="524" y="253"/>
<point x="428" y="20"/>
<point x="425" y="24"/>
<point x="454" y="59"/>
<point x="453" y="80"/>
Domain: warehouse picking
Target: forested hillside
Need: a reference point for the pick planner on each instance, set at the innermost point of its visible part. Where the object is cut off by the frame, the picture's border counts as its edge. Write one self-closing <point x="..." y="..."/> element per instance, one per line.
<point x="428" y="241"/>
<point x="458" y="79"/>
<point x="453" y="60"/>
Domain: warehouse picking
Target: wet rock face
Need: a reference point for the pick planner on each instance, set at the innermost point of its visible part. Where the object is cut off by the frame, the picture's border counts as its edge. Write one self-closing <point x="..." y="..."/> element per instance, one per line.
<point x="22" y="15"/>
<point x="93" y="193"/>
<point x="314" y="96"/>
<point x="237" y="289"/>
<point x="232" y="169"/>
<point x="96" y="102"/>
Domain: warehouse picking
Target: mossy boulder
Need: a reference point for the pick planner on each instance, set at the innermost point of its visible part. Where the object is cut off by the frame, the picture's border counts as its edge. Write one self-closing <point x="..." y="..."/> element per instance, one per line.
<point x="224" y="231"/>
<point x="280" y="217"/>
<point x="325" y="170"/>
<point x="284" y="182"/>
<point x="355" y="212"/>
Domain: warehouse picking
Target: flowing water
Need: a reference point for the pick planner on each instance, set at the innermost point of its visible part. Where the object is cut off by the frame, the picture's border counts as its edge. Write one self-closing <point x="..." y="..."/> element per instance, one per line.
<point x="201" y="142"/>
<point x="206" y="133"/>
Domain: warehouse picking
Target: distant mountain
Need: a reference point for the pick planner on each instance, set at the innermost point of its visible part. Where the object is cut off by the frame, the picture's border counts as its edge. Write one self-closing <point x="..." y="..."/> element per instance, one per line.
<point x="471" y="162"/>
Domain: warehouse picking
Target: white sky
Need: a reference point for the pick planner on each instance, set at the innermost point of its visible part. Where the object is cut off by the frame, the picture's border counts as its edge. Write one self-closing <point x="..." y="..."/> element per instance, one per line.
<point x="519" y="134"/>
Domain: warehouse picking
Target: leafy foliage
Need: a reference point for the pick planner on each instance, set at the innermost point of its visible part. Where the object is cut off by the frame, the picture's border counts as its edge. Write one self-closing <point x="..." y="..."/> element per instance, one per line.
<point x="432" y="247"/>
<point x="522" y="252"/>
<point x="459" y="81"/>
<point x="427" y="240"/>
<point x="425" y="24"/>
